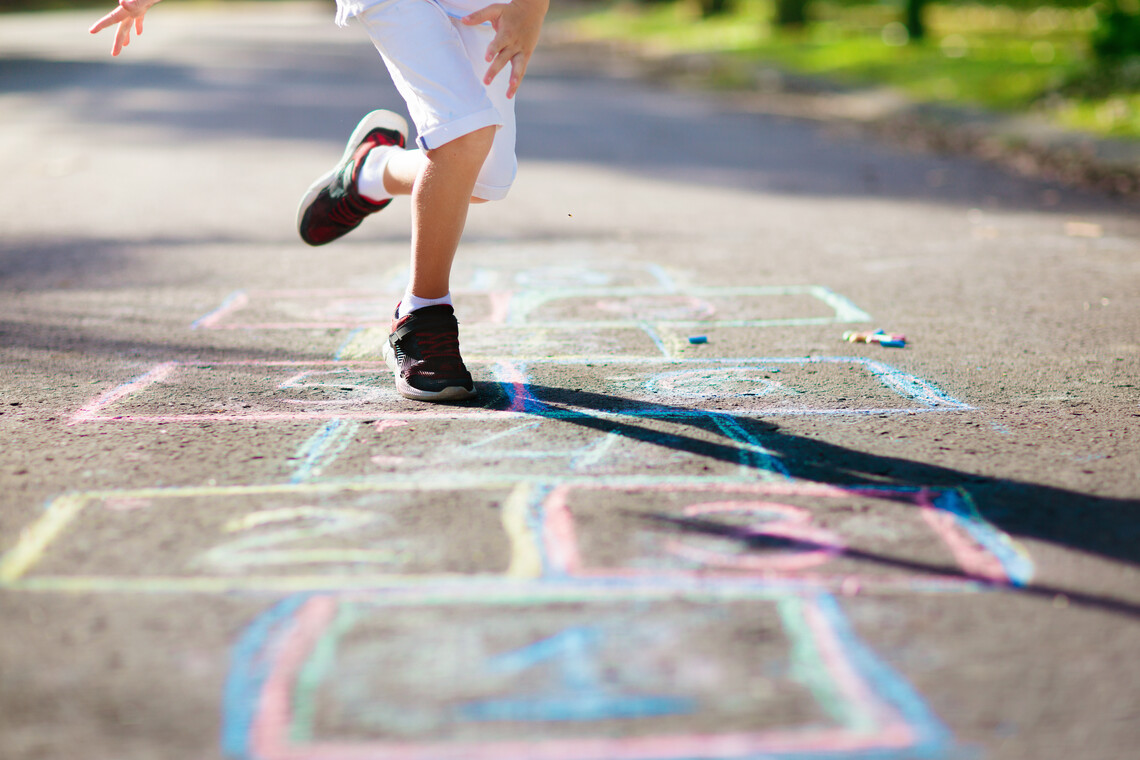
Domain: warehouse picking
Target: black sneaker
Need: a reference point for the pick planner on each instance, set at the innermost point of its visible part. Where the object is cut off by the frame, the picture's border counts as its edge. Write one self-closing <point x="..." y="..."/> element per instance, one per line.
<point x="333" y="206"/>
<point x="423" y="353"/>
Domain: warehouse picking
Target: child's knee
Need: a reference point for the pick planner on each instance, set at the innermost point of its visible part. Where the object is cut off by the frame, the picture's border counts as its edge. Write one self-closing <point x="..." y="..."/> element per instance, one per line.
<point x="473" y="146"/>
<point x="498" y="172"/>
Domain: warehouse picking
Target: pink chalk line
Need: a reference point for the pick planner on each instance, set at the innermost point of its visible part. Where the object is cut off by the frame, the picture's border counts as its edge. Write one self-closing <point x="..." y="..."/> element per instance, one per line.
<point x="500" y="306"/>
<point x="794" y="525"/>
<point x="558" y="533"/>
<point x="890" y="728"/>
<point x="974" y="559"/>
<point x="89" y="411"/>
<point x="506" y="372"/>
<point x="236" y="301"/>
<point x="275" y="708"/>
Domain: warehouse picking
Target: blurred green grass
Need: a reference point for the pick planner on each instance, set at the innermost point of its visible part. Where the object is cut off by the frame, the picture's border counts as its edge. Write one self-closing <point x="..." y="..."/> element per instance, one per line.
<point x="994" y="57"/>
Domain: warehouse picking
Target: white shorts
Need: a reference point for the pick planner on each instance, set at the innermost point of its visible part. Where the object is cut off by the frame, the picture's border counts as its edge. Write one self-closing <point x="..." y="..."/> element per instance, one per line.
<point x="438" y="63"/>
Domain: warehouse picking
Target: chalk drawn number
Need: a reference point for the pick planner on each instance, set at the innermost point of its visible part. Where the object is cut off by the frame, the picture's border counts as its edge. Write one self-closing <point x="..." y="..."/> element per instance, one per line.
<point x="272" y="547"/>
<point x="776" y="521"/>
<point x="579" y="692"/>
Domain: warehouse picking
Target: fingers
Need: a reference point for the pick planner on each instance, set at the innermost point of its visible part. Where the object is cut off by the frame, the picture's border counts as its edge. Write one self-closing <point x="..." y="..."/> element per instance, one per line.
<point x="113" y="17"/>
<point x="518" y="71"/>
<point x="128" y="15"/>
<point x="490" y="13"/>
<point x="517" y="25"/>
<point x="498" y="63"/>
<point x="122" y="37"/>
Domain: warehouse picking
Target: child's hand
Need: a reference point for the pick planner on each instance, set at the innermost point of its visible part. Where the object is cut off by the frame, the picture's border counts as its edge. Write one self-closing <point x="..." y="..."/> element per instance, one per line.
<point x="129" y="14"/>
<point x="517" y="25"/>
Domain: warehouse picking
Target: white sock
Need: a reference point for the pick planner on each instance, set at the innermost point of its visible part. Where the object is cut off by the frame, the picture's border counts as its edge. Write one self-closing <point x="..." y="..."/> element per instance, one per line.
<point x="371" y="181"/>
<point x="410" y="303"/>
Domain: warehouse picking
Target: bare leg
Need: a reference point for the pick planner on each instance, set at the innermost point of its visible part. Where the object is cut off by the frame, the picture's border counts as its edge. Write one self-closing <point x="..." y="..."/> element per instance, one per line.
<point x="440" y="182"/>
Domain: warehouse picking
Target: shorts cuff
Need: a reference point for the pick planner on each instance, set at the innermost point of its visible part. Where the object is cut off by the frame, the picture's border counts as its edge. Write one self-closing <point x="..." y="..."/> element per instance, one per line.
<point x="445" y="133"/>
<point x="490" y="192"/>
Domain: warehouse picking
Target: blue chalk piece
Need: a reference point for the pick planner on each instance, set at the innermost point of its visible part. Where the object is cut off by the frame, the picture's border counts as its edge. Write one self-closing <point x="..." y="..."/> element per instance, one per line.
<point x="698" y="339"/>
<point x="893" y="343"/>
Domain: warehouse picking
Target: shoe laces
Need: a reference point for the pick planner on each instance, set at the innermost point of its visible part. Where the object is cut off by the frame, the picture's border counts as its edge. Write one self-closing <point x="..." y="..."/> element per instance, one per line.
<point x="438" y="344"/>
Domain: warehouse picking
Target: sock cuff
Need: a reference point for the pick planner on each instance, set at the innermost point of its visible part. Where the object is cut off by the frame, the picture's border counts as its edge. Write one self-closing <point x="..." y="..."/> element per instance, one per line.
<point x="410" y="303"/>
<point x="370" y="182"/>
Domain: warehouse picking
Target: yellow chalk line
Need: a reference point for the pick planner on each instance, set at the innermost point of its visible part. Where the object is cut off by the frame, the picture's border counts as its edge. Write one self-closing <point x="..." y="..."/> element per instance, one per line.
<point x="35" y="538"/>
<point x="368" y="344"/>
<point x="526" y="562"/>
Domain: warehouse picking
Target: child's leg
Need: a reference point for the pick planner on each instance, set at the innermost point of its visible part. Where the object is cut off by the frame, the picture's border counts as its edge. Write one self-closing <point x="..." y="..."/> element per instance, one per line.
<point x="441" y="182"/>
<point x="458" y="124"/>
<point x="440" y="200"/>
<point x="458" y="119"/>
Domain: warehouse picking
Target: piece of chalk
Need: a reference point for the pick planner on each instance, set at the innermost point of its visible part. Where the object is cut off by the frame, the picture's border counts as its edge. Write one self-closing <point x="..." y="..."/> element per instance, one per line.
<point x="698" y="339"/>
<point x="892" y="343"/>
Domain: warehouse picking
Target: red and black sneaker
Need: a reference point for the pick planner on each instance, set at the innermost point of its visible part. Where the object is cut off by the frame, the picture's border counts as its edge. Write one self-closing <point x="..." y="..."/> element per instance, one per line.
<point x="333" y="206"/>
<point x="423" y="353"/>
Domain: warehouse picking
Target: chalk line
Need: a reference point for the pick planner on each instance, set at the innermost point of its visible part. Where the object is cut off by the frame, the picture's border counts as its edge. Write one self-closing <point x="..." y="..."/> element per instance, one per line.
<point x="239" y="299"/>
<point x="35" y="538"/>
<point x="90" y="410"/>
<point x="526" y="563"/>
<point x="323" y="448"/>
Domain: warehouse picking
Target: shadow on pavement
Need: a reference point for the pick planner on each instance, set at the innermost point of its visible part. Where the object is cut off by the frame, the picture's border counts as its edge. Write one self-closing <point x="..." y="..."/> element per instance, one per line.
<point x="1097" y="525"/>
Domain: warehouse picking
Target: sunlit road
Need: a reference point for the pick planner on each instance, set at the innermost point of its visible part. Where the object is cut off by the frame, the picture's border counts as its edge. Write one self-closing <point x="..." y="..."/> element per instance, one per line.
<point x="684" y="519"/>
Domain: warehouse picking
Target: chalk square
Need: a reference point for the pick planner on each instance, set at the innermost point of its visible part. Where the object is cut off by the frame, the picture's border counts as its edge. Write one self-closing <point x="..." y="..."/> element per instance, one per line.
<point x="747" y="387"/>
<point x="352" y="677"/>
<point x="274" y="391"/>
<point x="807" y="534"/>
<point x="269" y="537"/>
<point x="696" y="306"/>
<point x="496" y="342"/>
<point x="559" y="447"/>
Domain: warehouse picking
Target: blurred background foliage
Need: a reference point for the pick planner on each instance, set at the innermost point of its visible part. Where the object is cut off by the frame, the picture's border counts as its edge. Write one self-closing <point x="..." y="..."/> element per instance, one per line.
<point x="1075" y="62"/>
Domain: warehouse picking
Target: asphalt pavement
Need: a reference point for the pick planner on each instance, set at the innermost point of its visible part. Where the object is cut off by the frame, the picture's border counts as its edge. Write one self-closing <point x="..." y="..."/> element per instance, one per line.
<point x="683" y="519"/>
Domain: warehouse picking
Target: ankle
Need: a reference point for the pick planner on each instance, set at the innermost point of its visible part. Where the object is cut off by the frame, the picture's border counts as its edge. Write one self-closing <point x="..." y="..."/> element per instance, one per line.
<point x="370" y="181"/>
<point x="411" y="302"/>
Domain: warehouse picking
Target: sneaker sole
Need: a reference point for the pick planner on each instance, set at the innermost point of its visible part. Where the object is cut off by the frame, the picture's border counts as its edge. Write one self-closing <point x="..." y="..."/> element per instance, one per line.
<point x="453" y="393"/>
<point x="382" y="119"/>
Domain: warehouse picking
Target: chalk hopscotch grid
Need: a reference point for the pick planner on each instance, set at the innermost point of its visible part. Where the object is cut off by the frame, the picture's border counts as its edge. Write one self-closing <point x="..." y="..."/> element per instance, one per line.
<point x="263" y="684"/>
<point x="269" y="692"/>
<point x="543" y="550"/>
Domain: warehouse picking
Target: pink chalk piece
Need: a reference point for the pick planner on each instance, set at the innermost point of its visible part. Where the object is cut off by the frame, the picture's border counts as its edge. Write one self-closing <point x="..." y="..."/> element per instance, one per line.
<point x="382" y="425"/>
<point x="127" y="505"/>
